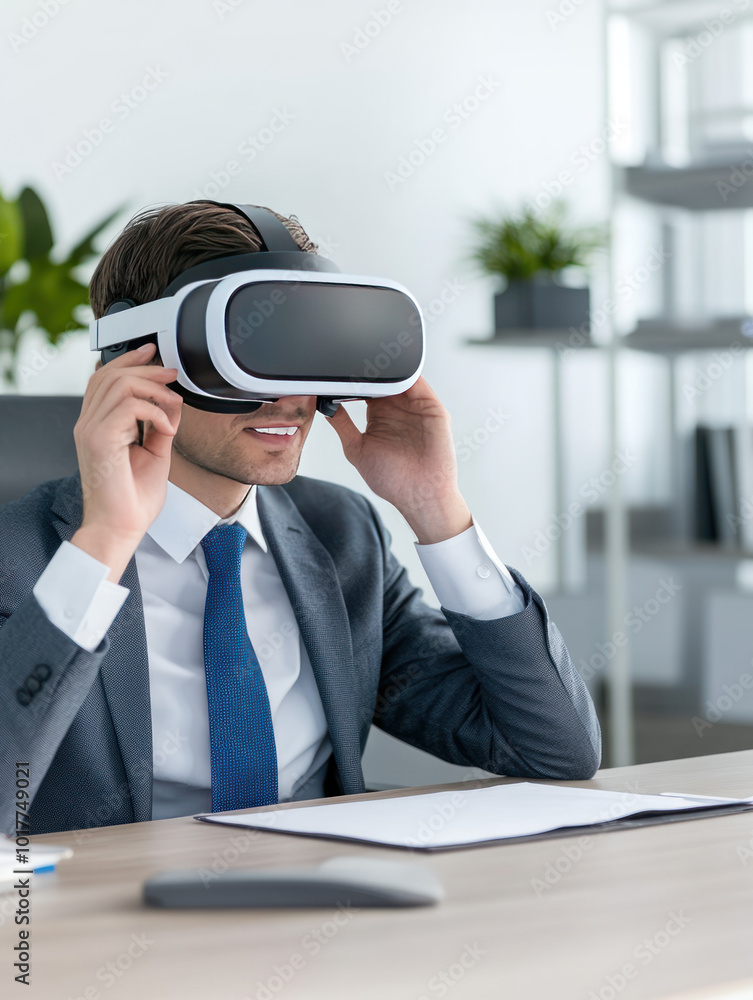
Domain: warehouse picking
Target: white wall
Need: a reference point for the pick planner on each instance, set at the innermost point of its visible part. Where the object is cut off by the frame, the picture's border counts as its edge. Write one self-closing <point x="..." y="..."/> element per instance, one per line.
<point x="351" y="120"/>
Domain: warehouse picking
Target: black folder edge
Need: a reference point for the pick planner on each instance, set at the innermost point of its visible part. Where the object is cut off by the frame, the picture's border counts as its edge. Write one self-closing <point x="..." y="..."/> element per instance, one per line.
<point x="636" y="821"/>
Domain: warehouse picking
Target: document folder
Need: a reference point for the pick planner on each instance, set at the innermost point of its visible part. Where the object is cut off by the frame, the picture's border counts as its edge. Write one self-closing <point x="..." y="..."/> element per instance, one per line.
<point x="495" y="813"/>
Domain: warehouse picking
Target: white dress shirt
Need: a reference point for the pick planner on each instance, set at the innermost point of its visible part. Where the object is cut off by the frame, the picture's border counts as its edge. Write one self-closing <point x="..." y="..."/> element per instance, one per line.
<point x="73" y="591"/>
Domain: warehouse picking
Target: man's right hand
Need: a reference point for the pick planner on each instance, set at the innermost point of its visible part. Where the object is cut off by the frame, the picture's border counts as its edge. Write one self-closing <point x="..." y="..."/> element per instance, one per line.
<point x="124" y="485"/>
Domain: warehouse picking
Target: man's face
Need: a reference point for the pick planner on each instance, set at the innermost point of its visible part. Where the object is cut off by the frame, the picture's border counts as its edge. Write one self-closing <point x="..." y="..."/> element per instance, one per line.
<point x="248" y="447"/>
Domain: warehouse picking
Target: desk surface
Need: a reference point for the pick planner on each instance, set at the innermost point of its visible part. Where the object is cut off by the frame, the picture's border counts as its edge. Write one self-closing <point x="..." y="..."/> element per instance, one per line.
<point x="544" y="920"/>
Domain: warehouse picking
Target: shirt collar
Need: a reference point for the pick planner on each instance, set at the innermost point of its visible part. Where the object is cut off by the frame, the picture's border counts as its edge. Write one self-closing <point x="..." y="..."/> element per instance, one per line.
<point x="184" y="521"/>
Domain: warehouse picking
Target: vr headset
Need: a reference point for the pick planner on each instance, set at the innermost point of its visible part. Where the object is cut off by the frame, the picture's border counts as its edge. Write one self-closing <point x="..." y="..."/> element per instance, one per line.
<point x="252" y="327"/>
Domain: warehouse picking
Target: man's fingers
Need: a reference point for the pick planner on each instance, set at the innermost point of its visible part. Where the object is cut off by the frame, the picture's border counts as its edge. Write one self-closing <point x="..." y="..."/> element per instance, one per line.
<point x="143" y="381"/>
<point x="139" y="356"/>
<point x="349" y="434"/>
<point x="136" y="362"/>
<point x="101" y="383"/>
<point x="131" y="409"/>
<point x="132" y="384"/>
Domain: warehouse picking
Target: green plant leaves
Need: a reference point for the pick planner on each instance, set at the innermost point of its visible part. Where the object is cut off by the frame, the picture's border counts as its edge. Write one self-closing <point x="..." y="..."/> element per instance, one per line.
<point x="85" y="249"/>
<point x="37" y="232"/>
<point x="50" y="294"/>
<point x="11" y="235"/>
<point x="520" y="246"/>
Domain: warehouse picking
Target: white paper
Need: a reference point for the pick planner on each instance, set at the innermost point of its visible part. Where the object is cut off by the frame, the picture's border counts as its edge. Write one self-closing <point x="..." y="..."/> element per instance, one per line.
<point x="466" y="816"/>
<point x="39" y="856"/>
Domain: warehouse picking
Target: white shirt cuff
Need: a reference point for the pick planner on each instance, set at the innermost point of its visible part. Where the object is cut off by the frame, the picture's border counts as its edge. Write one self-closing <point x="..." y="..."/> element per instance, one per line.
<point x="469" y="579"/>
<point x="75" y="594"/>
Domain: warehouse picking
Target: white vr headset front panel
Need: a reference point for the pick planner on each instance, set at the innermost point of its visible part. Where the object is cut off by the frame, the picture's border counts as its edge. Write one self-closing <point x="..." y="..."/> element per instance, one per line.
<point x="230" y="371"/>
<point x="161" y="318"/>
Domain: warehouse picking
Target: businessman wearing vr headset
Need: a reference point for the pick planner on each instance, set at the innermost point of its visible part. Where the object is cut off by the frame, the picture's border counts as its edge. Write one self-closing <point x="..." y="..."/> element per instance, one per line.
<point x="191" y="626"/>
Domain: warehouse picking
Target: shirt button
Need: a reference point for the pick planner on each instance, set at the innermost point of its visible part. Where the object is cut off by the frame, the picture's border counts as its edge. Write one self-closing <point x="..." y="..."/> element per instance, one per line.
<point x="68" y="611"/>
<point x="484" y="572"/>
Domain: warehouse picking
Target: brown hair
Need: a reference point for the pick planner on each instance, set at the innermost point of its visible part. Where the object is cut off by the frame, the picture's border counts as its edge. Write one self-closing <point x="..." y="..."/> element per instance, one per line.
<point x="158" y="244"/>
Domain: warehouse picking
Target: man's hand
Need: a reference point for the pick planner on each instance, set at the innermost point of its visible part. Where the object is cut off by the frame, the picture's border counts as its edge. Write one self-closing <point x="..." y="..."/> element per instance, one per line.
<point x="124" y="485"/>
<point x="406" y="456"/>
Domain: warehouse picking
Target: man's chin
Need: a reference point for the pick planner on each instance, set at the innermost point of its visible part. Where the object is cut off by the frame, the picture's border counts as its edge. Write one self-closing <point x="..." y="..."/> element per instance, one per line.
<point x="266" y="474"/>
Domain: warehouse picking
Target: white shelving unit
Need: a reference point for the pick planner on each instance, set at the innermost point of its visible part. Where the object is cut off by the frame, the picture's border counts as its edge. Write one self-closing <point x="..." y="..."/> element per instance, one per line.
<point x="690" y="133"/>
<point x="683" y="175"/>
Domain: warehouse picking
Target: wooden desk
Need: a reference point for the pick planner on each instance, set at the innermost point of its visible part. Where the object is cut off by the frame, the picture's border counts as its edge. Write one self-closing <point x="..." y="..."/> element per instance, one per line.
<point x="674" y="903"/>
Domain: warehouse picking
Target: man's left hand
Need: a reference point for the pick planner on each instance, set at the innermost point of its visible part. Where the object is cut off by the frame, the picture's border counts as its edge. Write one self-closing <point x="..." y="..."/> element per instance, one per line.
<point x="406" y="456"/>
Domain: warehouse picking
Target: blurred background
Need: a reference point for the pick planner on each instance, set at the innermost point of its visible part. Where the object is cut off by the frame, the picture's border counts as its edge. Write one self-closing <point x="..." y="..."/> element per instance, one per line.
<point x="565" y="185"/>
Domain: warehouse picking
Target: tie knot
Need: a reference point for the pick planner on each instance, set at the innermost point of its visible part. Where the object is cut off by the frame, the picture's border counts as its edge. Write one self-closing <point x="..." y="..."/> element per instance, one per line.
<point x="223" y="546"/>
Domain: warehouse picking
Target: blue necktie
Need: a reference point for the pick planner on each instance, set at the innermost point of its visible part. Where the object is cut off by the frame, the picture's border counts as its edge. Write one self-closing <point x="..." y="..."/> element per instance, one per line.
<point x="241" y="737"/>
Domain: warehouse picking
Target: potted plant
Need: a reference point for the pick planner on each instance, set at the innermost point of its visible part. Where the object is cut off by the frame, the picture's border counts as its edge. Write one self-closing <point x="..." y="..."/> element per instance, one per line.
<point x="530" y="250"/>
<point x="36" y="289"/>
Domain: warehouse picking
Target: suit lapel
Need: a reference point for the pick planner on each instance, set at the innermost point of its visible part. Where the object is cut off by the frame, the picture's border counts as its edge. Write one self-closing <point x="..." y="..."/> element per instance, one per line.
<point x="310" y="579"/>
<point x="125" y="669"/>
<point x="313" y="587"/>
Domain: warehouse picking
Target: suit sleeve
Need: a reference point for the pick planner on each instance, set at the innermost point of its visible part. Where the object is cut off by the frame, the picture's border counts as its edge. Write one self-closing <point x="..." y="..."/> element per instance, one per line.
<point x="499" y="694"/>
<point x="45" y="677"/>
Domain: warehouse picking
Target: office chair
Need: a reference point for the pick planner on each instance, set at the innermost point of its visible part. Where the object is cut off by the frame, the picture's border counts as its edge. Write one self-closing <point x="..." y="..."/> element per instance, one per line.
<point x="36" y="441"/>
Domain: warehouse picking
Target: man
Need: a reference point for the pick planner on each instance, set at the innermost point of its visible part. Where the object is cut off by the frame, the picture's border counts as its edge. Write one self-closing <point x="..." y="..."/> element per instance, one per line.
<point x="129" y="683"/>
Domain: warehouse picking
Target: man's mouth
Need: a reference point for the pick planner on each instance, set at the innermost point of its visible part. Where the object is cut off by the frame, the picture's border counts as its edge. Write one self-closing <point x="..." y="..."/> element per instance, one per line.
<point x="277" y="433"/>
<point x="274" y="430"/>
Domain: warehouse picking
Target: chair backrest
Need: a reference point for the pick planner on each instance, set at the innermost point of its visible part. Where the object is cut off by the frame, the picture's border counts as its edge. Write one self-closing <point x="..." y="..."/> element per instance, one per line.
<point x="36" y="441"/>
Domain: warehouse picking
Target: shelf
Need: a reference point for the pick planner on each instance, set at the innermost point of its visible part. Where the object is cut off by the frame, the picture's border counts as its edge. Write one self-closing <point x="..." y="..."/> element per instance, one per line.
<point x="529" y="338"/>
<point x="673" y="17"/>
<point x="670" y="549"/>
<point x="650" y="336"/>
<point x="650" y="535"/>
<point x="666" y="337"/>
<point x="702" y="188"/>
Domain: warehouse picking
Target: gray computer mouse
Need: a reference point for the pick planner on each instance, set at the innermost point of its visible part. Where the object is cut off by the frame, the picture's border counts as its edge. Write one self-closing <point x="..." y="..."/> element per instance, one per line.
<point x="345" y="881"/>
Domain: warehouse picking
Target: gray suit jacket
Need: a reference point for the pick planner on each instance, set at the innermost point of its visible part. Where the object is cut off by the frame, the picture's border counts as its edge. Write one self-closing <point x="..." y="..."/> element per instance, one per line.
<point x="501" y="695"/>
